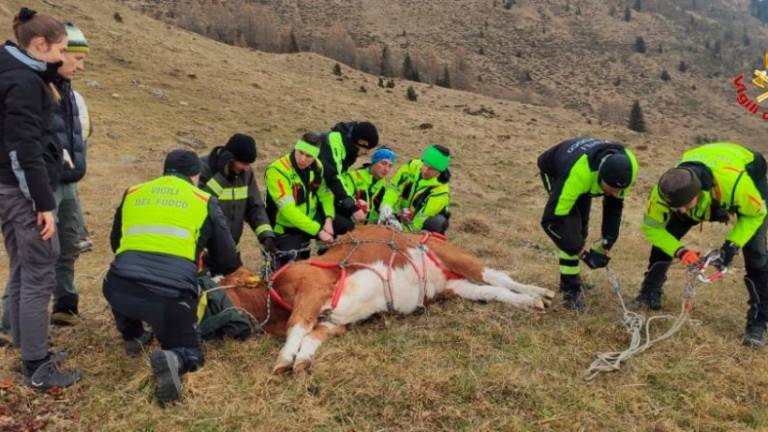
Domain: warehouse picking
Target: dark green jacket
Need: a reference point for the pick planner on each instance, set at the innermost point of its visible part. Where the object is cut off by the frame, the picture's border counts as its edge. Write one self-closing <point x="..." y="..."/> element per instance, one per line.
<point x="239" y="199"/>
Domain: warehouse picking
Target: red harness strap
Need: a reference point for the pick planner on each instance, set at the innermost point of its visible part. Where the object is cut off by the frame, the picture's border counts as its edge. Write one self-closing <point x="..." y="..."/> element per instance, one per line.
<point x="450" y="275"/>
<point x="339" y="288"/>
<point x="274" y="295"/>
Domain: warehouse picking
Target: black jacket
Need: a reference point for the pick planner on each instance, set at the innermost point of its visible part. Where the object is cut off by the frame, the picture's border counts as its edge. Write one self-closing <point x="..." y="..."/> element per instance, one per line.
<point x="237" y="209"/>
<point x="69" y="132"/>
<point x="342" y="201"/>
<point x="173" y="276"/>
<point x="30" y="156"/>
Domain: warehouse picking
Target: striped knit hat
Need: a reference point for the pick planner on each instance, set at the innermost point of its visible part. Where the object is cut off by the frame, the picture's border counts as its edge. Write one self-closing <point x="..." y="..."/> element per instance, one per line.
<point x="76" y="41"/>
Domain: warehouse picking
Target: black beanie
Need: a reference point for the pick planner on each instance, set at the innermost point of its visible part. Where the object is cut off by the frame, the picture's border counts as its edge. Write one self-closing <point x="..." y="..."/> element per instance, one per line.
<point x="679" y="186"/>
<point x="183" y="162"/>
<point x="365" y="131"/>
<point x="242" y="147"/>
<point x="616" y="171"/>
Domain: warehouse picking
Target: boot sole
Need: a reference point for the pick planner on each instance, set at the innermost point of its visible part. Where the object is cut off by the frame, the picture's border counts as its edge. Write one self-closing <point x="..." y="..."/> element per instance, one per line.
<point x="168" y="383"/>
<point x="63" y="319"/>
<point x="753" y="344"/>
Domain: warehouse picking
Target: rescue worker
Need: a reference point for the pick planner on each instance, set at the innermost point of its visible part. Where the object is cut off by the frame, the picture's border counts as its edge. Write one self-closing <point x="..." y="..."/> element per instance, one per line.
<point x="299" y="204"/>
<point x="339" y="150"/>
<point x="30" y="165"/>
<point x="574" y="172"/>
<point x="712" y="183"/>
<point x="419" y="195"/>
<point x="227" y="174"/>
<point x="158" y="234"/>
<point x="371" y="182"/>
<point x="72" y="137"/>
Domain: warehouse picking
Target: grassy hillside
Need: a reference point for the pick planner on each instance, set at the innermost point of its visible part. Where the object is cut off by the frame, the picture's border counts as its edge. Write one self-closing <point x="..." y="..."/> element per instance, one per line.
<point x="460" y="366"/>
<point x="573" y="54"/>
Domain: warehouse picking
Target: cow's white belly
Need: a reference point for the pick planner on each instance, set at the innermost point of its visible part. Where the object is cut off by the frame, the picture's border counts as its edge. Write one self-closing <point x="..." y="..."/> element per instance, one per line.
<point x="365" y="292"/>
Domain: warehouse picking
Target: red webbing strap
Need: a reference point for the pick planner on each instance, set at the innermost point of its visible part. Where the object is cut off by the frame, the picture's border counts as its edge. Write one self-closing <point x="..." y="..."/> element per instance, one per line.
<point x="339" y="288"/>
<point x="323" y="264"/>
<point x="279" y="272"/>
<point x="275" y="296"/>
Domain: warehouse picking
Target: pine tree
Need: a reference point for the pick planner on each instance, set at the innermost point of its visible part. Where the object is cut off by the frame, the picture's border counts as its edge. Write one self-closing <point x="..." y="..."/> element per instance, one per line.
<point x="627" y="14"/>
<point x="445" y="79"/>
<point x="386" y="63"/>
<point x="411" y="95"/>
<point x="640" y="45"/>
<point x="293" y="44"/>
<point x="337" y="69"/>
<point x="409" y="69"/>
<point x="638" y="6"/>
<point x="665" y="75"/>
<point x="682" y="67"/>
<point x="636" y="120"/>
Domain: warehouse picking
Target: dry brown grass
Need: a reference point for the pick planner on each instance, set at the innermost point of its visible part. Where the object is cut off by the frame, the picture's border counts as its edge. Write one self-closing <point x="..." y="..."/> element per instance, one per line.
<point x="460" y="366"/>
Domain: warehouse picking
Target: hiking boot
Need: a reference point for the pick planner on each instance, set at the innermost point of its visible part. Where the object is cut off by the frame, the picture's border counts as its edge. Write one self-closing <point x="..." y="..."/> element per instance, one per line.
<point x="48" y="373"/>
<point x="165" y="366"/>
<point x="754" y="336"/>
<point x="646" y="300"/>
<point x="135" y="346"/>
<point x="572" y="301"/>
<point x="64" y="318"/>
<point x="84" y="245"/>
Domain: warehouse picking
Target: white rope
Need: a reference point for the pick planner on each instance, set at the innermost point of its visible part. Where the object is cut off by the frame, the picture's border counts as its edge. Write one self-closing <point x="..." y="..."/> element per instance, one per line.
<point x="639" y="328"/>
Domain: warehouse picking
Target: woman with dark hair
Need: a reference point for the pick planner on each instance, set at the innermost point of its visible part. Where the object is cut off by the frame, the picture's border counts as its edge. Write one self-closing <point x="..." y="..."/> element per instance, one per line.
<point x="30" y="163"/>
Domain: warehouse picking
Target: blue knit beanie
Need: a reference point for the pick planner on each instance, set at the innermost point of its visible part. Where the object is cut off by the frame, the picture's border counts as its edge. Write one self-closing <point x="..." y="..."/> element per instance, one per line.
<point x="383" y="153"/>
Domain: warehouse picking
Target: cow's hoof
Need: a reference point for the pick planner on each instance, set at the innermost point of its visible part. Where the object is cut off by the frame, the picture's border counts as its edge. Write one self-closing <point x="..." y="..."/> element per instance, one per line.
<point x="549" y="294"/>
<point x="547" y="302"/>
<point x="281" y="369"/>
<point x="538" y="304"/>
<point x="302" y="366"/>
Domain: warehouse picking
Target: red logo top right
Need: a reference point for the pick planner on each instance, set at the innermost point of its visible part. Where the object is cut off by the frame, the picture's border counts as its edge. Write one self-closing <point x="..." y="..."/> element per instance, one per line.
<point x="760" y="80"/>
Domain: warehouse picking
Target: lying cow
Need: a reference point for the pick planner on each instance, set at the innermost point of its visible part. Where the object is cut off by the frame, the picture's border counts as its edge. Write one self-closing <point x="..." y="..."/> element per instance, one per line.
<point x="372" y="269"/>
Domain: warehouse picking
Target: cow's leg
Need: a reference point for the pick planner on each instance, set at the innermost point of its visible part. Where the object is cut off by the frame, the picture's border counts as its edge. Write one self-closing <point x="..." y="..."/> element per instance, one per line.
<point x="500" y="278"/>
<point x="312" y="342"/>
<point x="306" y="309"/>
<point x="469" y="266"/>
<point x="468" y="290"/>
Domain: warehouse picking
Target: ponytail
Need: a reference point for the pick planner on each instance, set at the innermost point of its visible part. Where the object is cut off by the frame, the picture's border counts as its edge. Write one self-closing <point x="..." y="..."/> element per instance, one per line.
<point x="28" y="24"/>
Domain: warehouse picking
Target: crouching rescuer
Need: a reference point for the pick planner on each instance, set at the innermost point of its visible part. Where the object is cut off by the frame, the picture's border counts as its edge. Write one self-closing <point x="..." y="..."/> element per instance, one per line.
<point x="574" y="172"/>
<point x="711" y="183"/>
<point x="158" y="234"/>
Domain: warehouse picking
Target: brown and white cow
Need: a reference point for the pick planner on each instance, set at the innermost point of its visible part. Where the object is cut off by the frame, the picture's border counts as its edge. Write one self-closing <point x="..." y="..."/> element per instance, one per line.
<point x="385" y="271"/>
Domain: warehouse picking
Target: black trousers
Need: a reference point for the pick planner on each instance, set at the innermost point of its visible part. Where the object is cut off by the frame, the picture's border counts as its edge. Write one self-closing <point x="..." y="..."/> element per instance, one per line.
<point x="437" y="224"/>
<point x="173" y="320"/>
<point x="755" y="253"/>
<point x="294" y="239"/>
<point x="567" y="232"/>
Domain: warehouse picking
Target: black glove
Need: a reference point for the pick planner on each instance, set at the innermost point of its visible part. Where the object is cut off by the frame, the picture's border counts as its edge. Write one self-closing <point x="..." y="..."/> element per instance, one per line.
<point x="594" y="259"/>
<point x="224" y="161"/>
<point x="269" y="245"/>
<point x="348" y="206"/>
<point x="727" y="252"/>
